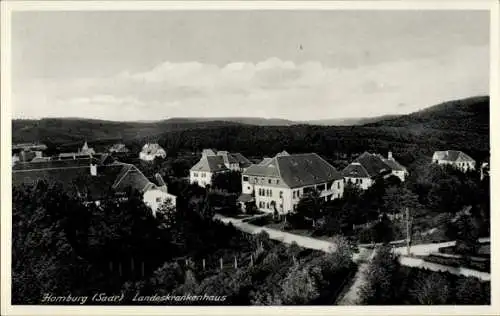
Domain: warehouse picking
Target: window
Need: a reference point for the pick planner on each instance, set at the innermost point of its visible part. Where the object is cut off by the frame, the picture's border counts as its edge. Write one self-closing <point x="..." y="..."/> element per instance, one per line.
<point x="277" y="181"/>
<point x="269" y="181"/>
<point x="281" y="206"/>
<point x="271" y="193"/>
<point x="195" y="174"/>
<point x="249" y="188"/>
<point x="281" y="194"/>
<point x="338" y="185"/>
<point x="293" y="193"/>
<point x="308" y="190"/>
<point x="321" y="187"/>
<point x="267" y="205"/>
<point x="245" y="179"/>
<point x="158" y="199"/>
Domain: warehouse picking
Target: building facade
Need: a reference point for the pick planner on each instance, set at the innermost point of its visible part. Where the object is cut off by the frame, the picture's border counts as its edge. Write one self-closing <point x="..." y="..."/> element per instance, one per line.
<point x="202" y="172"/>
<point x="91" y="179"/>
<point x="455" y="158"/>
<point x="213" y="162"/>
<point x="151" y="151"/>
<point x="277" y="184"/>
<point x="367" y="168"/>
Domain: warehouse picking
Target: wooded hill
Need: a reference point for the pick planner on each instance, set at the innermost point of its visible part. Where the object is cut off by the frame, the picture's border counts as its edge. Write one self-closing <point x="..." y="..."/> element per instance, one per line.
<point x="460" y="125"/>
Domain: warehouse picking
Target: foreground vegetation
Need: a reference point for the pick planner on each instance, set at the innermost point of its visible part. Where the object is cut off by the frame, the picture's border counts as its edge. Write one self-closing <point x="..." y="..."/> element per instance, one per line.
<point x="61" y="246"/>
<point x="389" y="283"/>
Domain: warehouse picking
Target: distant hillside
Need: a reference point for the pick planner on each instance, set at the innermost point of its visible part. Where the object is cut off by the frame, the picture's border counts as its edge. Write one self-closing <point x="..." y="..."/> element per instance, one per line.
<point x="349" y="121"/>
<point x="460" y="124"/>
<point x="259" y="121"/>
<point x="471" y="115"/>
<point x="67" y="131"/>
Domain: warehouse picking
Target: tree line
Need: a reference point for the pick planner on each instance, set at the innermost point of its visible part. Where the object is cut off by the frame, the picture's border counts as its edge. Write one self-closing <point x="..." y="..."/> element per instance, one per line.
<point x="62" y="245"/>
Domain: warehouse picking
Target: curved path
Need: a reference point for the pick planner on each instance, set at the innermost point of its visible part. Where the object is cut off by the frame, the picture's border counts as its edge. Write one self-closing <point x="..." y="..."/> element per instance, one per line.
<point x="323" y="245"/>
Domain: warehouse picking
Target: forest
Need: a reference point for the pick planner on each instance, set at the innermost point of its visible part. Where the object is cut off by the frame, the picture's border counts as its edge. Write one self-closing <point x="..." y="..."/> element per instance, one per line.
<point x="61" y="246"/>
<point x="459" y="124"/>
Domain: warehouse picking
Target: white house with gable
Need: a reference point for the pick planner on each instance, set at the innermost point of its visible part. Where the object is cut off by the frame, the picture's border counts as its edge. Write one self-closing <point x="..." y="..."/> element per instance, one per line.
<point x="455" y="158"/>
<point x="368" y="167"/>
<point x="278" y="183"/>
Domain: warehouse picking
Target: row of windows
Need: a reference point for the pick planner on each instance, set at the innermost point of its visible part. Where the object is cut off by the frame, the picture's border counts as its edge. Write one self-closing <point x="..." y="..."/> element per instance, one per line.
<point x="202" y="174"/>
<point x="297" y="194"/>
<point x="269" y="205"/>
<point x="268" y="192"/>
<point x="262" y="180"/>
<point x="356" y="181"/>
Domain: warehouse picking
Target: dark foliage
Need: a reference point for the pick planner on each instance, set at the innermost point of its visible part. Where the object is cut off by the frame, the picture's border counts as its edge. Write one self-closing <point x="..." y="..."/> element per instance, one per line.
<point x="390" y="283"/>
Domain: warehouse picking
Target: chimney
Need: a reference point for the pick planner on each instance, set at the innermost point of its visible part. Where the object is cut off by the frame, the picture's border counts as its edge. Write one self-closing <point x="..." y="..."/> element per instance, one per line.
<point x="161" y="183"/>
<point x="93" y="169"/>
<point x="389" y="155"/>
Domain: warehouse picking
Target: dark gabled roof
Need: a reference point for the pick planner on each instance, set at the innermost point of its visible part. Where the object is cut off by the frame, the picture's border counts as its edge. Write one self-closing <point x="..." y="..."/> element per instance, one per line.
<point x="265" y="161"/>
<point x="296" y="170"/>
<point x="355" y="170"/>
<point x="394" y="165"/>
<point x="51" y="164"/>
<point x="209" y="152"/>
<point x="306" y="169"/>
<point x="210" y="164"/>
<point x="452" y="155"/>
<point x="269" y="169"/>
<point x="227" y="157"/>
<point x="66" y="177"/>
<point x="373" y="164"/>
<point x="76" y="178"/>
<point x="242" y="160"/>
<point x="133" y="178"/>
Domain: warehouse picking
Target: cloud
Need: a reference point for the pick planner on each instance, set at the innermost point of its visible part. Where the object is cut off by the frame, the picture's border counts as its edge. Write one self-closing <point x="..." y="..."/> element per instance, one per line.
<point x="270" y="88"/>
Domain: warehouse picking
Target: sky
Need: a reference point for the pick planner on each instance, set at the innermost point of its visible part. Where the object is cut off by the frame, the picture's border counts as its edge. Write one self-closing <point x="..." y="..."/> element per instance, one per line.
<point x="297" y="65"/>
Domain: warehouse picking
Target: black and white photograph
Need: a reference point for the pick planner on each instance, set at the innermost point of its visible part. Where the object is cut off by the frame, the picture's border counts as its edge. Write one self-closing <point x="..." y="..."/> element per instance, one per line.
<point x="247" y="156"/>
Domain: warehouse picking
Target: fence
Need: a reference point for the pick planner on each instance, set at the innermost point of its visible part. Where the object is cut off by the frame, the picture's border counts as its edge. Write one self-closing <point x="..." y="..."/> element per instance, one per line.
<point x="209" y="264"/>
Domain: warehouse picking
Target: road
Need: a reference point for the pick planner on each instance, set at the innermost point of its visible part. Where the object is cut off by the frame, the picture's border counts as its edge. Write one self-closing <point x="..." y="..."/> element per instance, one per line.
<point x="318" y="244"/>
<point x="420" y="263"/>
<point x="278" y="235"/>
